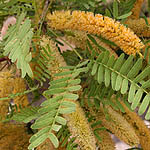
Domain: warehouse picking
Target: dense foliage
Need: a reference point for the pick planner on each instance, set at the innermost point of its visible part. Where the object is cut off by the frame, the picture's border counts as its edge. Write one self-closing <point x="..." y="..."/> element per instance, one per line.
<point x="73" y="72"/>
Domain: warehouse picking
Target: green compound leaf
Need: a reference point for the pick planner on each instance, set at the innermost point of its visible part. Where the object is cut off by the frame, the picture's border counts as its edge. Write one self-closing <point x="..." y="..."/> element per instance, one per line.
<point x="17" y="45"/>
<point x="124" y="76"/>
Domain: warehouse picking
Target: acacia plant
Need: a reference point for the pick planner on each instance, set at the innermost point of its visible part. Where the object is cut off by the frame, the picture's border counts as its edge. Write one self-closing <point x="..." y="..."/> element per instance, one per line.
<point x="73" y="72"/>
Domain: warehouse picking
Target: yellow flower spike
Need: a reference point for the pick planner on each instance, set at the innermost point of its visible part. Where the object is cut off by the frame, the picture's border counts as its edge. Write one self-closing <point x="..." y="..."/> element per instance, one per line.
<point x="77" y="122"/>
<point x="119" y="126"/>
<point x="98" y="24"/>
<point x="79" y="127"/>
<point x="140" y="128"/>
<point x="139" y="27"/>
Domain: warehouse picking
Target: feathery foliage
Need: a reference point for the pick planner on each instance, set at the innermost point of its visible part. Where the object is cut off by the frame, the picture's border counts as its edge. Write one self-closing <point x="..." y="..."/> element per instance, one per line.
<point x="17" y="45"/>
<point x="123" y="75"/>
<point x="50" y="118"/>
<point x="102" y="74"/>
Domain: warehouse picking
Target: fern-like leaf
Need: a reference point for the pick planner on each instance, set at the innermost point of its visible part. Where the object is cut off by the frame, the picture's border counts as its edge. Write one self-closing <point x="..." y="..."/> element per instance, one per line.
<point x="124" y="76"/>
<point x="65" y="139"/>
<point x="51" y="111"/>
<point x="41" y="71"/>
<point x="26" y="114"/>
<point x="17" y="44"/>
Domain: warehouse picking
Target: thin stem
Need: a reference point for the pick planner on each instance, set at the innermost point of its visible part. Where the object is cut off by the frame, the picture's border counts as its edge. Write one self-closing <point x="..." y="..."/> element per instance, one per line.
<point x="45" y="9"/>
<point x="19" y="94"/>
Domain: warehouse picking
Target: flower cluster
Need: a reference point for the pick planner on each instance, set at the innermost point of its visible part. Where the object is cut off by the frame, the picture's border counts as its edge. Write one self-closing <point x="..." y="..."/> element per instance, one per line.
<point x="98" y="24"/>
<point x="140" y="128"/>
<point x="118" y="125"/>
<point x="139" y="27"/>
<point x="79" y="127"/>
<point x="13" y="137"/>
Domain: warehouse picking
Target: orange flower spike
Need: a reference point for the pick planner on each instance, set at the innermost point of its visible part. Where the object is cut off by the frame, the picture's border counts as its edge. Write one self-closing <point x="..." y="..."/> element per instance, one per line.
<point x="98" y="24"/>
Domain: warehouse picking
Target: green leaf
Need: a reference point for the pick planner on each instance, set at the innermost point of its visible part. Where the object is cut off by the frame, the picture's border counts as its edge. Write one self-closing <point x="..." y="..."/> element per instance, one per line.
<point x="20" y="19"/>
<point x="28" y="119"/>
<point x="144" y="104"/>
<point x="82" y="64"/>
<point x="111" y="61"/>
<point x="124" y="87"/>
<point x="94" y="69"/>
<point x="67" y="110"/>
<point x="131" y="93"/>
<point x="146" y="51"/>
<point x="60" y="80"/>
<point x="100" y="57"/>
<point x="147" y="117"/>
<point x="38" y="134"/>
<point x="135" y="69"/>
<point x="52" y="100"/>
<point x="118" y="83"/>
<point x="54" y="140"/>
<point x="113" y="80"/>
<point x="41" y="124"/>
<point x="74" y="82"/>
<point x="25" y="28"/>
<point x="146" y="20"/>
<point x="115" y="9"/>
<point x="56" y="127"/>
<point x="74" y="88"/>
<point x="106" y="57"/>
<point x="59" y="85"/>
<point x="68" y="104"/>
<point x="71" y="96"/>
<point x="75" y="74"/>
<point x="79" y="70"/>
<point x="86" y="5"/>
<point x="137" y="99"/>
<point x="100" y="76"/>
<point x="38" y="141"/>
<point x="17" y="45"/>
<point x="60" y="120"/>
<point x="124" y="15"/>
<point x="126" y="66"/>
<point x="119" y="62"/>
<point x="97" y="136"/>
<point x="142" y="75"/>
<point x="67" y="67"/>
<point x="119" y="105"/>
<point x="107" y="12"/>
<point x="146" y="84"/>
<point x="95" y="42"/>
<point x="54" y="91"/>
<point x="49" y="108"/>
<point x="107" y="77"/>
<point x="63" y="73"/>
